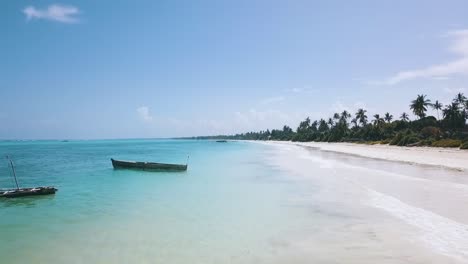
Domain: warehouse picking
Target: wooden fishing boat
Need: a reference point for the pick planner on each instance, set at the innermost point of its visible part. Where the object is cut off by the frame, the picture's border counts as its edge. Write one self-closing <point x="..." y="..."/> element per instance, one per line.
<point x="221" y="141"/>
<point x="21" y="192"/>
<point x="151" y="166"/>
<point x="28" y="192"/>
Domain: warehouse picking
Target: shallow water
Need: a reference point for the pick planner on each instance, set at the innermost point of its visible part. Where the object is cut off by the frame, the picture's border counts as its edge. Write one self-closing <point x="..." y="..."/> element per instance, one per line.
<point x="239" y="202"/>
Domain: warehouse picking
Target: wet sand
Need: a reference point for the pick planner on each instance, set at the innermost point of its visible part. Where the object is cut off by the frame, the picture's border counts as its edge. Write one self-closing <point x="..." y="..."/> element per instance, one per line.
<point x="371" y="210"/>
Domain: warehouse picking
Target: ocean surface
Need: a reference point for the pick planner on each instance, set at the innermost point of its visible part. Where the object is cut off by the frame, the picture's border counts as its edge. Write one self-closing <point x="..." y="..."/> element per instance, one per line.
<point x="239" y="202"/>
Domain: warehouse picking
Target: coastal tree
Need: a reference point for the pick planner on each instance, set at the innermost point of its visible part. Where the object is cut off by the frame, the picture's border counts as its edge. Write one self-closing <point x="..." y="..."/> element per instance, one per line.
<point x="345" y="115"/>
<point x="378" y="121"/>
<point x="404" y="117"/>
<point x="460" y="99"/>
<point x="388" y="117"/>
<point x="437" y="106"/>
<point x="314" y="126"/>
<point x="354" y="121"/>
<point x="361" y="116"/>
<point x="454" y="118"/>
<point x="323" y="127"/>
<point x="424" y="131"/>
<point x="419" y="105"/>
<point x="336" y="116"/>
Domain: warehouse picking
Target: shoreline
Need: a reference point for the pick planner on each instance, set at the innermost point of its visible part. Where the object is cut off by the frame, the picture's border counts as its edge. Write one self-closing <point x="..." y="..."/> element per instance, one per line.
<point x="428" y="156"/>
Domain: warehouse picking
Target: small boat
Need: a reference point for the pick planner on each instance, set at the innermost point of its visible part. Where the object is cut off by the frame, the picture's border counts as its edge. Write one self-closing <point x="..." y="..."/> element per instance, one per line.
<point x="151" y="166"/>
<point x="21" y="192"/>
<point x="221" y="141"/>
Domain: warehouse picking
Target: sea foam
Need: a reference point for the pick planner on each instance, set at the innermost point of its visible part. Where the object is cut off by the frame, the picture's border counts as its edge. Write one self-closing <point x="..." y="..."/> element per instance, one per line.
<point x="444" y="235"/>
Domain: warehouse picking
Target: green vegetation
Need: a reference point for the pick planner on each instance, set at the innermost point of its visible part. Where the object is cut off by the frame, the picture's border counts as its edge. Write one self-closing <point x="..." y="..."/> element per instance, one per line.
<point x="464" y="145"/>
<point x="450" y="131"/>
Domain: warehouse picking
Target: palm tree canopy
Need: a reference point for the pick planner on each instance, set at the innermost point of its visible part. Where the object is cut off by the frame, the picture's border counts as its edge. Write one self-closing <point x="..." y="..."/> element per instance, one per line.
<point x="460" y="99"/>
<point x="388" y="117"/>
<point x="314" y="125"/>
<point x="404" y="116"/>
<point x="419" y="106"/>
<point x="437" y="105"/>
<point x="361" y="116"/>
<point x="378" y="120"/>
<point x="451" y="110"/>
<point x="345" y="114"/>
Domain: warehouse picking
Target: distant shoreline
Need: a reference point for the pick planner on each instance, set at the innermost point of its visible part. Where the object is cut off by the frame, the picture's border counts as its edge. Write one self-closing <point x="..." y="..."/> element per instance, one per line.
<point x="450" y="158"/>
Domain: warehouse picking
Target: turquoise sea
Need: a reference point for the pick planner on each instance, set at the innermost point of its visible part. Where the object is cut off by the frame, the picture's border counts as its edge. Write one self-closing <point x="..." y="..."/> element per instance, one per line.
<point x="227" y="208"/>
<point x="239" y="202"/>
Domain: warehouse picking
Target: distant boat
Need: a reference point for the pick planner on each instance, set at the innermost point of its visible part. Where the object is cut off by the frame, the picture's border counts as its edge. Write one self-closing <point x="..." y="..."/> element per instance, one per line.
<point x="221" y="141"/>
<point x="151" y="166"/>
<point x="21" y="192"/>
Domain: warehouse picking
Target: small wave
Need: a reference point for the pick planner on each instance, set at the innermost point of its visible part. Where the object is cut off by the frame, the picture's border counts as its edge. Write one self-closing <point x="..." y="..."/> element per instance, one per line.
<point x="444" y="235"/>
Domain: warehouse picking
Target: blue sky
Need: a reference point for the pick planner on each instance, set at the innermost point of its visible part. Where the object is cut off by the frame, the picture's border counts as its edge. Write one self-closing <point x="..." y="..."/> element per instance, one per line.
<point x="106" y="69"/>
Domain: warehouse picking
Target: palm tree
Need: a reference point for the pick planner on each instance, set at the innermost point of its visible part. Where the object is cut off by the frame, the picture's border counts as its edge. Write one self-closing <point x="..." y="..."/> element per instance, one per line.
<point x="354" y="121"/>
<point x="378" y="120"/>
<point x="344" y="117"/>
<point x="322" y="126"/>
<point x="330" y="122"/>
<point x="462" y="103"/>
<point x="419" y="106"/>
<point x="361" y="116"/>
<point x="454" y="116"/>
<point x="404" y="117"/>
<point x="388" y="117"/>
<point x="460" y="99"/>
<point x="437" y="106"/>
<point x="336" y="116"/>
<point x="314" y="126"/>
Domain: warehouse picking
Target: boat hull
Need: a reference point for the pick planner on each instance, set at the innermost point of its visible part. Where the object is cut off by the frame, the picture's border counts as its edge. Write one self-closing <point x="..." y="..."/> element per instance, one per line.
<point x="22" y="192"/>
<point x="150" y="166"/>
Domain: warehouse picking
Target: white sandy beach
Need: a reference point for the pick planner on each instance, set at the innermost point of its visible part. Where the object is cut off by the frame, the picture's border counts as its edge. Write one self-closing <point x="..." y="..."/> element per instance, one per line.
<point x="440" y="157"/>
<point x="383" y="212"/>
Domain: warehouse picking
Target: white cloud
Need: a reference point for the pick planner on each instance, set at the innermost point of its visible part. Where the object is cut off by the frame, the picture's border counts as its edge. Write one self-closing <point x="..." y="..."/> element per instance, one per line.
<point x="56" y="12"/>
<point x="458" y="66"/>
<point x="144" y="113"/>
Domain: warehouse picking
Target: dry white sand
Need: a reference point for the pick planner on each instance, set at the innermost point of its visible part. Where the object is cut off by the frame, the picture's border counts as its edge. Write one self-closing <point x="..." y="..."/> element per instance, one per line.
<point x="441" y="157"/>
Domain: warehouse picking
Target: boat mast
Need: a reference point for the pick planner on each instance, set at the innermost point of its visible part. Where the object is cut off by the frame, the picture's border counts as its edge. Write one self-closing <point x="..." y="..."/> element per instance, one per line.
<point x="14" y="172"/>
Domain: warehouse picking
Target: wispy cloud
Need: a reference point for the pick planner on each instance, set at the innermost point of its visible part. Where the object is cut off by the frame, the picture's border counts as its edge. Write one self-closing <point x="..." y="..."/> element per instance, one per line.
<point x="459" y="66"/>
<point x="144" y="113"/>
<point x="55" y="12"/>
